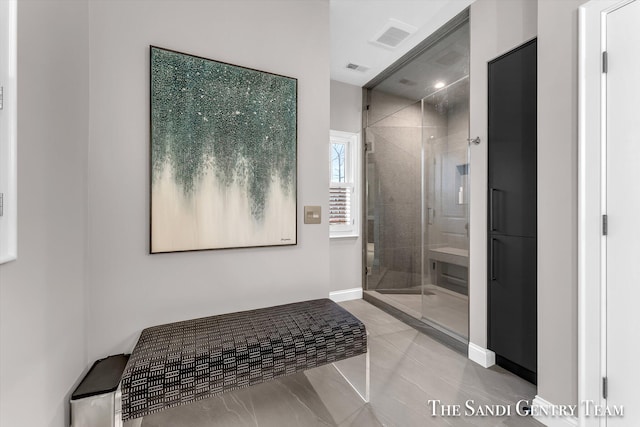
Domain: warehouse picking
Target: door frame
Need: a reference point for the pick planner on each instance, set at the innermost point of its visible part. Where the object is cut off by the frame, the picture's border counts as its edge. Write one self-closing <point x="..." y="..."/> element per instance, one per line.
<point x="592" y="204"/>
<point x="8" y="131"/>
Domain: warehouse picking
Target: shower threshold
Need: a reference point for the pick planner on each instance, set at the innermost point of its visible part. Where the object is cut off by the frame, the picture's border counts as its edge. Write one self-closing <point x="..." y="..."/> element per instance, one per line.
<point x="414" y="319"/>
<point x="405" y="291"/>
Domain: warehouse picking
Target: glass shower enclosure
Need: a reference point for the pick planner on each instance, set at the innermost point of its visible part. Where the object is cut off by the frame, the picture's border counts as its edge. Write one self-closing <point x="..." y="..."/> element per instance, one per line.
<point x="417" y="188"/>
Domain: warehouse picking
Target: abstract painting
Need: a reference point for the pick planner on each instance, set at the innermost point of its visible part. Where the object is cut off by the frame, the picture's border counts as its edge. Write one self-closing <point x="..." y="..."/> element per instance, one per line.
<point x="223" y="155"/>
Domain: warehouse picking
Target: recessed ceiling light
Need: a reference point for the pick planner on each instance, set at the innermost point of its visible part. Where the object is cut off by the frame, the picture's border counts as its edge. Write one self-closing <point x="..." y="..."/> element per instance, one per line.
<point x="439" y="85"/>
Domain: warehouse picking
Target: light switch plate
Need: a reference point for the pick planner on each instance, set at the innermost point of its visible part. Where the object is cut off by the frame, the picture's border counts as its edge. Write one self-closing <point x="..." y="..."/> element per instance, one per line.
<point x="312" y="214"/>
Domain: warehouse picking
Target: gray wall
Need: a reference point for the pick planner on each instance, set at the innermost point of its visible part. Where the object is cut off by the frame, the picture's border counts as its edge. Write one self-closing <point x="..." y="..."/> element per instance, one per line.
<point x="44" y="320"/>
<point x="42" y="293"/>
<point x="83" y="285"/>
<point x="346" y="107"/>
<point x="497" y="26"/>
<point x="558" y="200"/>
<point x="129" y="289"/>
<point x="346" y="253"/>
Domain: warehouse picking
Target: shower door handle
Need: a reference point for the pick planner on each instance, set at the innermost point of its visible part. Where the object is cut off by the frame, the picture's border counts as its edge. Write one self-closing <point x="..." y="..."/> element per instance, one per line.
<point x="430" y="216"/>
<point x="493" y="257"/>
<point x="491" y="226"/>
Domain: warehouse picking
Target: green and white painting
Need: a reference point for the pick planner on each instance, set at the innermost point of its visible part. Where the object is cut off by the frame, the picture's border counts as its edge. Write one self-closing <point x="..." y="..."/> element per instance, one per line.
<point x="223" y="155"/>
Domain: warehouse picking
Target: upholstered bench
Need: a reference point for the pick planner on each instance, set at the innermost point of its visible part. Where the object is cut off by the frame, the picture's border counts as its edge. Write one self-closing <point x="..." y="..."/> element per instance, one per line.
<point x="181" y="362"/>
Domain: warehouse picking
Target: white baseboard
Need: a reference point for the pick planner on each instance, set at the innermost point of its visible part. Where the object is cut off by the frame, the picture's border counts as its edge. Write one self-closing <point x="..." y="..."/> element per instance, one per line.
<point x="346" y="294"/>
<point x="553" y="421"/>
<point x="482" y="356"/>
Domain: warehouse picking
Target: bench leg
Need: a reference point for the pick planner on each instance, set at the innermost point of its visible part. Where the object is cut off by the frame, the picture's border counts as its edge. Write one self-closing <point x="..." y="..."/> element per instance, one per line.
<point x="367" y="379"/>
<point x="367" y="369"/>
<point x="133" y="423"/>
<point x="118" y="413"/>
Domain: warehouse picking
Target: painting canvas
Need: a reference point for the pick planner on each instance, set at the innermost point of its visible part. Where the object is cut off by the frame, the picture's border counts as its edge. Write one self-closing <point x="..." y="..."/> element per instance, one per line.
<point x="223" y="155"/>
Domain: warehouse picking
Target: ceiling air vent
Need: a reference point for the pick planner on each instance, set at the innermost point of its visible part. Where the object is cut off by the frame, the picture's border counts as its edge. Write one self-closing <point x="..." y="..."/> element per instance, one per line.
<point x="393" y="33"/>
<point x="357" y="67"/>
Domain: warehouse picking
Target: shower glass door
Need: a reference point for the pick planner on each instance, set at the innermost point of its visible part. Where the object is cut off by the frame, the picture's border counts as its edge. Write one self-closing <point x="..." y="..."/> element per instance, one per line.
<point x="445" y="290"/>
<point x="417" y="188"/>
<point x="393" y="186"/>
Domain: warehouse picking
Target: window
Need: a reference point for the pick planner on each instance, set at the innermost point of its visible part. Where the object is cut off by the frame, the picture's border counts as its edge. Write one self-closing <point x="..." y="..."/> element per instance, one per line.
<point x="8" y="120"/>
<point x="343" y="191"/>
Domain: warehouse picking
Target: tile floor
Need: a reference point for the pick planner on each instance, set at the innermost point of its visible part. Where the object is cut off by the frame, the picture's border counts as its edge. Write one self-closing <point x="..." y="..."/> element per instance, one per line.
<point x="407" y="369"/>
<point x="444" y="307"/>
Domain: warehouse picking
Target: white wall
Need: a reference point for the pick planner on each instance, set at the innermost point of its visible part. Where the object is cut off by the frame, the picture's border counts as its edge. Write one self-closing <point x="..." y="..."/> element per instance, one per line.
<point x="42" y="304"/>
<point x="558" y="200"/>
<point x="497" y="26"/>
<point x="346" y="253"/>
<point x="129" y="289"/>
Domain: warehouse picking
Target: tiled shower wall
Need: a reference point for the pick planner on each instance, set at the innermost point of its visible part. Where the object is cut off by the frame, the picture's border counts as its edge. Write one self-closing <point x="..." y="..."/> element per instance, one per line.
<point x="394" y="173"/>
<point x="449" y="167"/>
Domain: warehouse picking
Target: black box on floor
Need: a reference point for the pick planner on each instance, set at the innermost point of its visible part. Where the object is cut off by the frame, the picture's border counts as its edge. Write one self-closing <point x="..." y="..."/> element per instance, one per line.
<point x="96" y="401"/>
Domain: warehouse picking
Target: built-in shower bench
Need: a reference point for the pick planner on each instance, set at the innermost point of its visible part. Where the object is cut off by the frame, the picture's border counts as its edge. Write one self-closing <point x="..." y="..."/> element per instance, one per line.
<point x="442" y="258"/>
<point x="186" y="361"/>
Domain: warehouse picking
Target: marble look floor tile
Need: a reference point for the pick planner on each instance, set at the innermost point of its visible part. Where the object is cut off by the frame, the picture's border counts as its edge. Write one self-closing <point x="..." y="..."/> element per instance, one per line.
<point x="335" y="393"/>
<point x="520" y="422"/>
<point x="377" y="321"/>
<point x="443" y="307"/>
<point x="441" y="362"/>
<point x="363" y="417"/>
<point x="290" y="401"/>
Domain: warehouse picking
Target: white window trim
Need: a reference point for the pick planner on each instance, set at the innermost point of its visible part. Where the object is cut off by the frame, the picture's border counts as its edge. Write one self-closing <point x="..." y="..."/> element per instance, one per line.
<point x="8" y="131"/>
<point x="352" y="140"/>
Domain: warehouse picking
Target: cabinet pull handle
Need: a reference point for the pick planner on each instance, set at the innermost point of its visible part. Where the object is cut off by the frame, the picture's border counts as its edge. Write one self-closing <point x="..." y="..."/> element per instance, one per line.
<point x="491" y="226"/>
<point x="493" y="257"/>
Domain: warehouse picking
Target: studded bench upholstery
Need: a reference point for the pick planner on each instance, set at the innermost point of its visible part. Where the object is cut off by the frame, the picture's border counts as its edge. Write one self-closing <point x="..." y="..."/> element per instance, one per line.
<point x="182" y="362"/>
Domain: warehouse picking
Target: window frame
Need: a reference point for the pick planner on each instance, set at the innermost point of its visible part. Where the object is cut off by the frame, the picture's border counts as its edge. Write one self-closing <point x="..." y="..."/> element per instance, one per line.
<point x="352" y="181"/>
<point x="8" y="131"/>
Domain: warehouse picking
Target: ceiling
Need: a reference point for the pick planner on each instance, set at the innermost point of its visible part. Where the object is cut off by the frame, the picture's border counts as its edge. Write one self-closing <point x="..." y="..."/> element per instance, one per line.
<point x="354" y="23"/>
<point x="440" y="67"/>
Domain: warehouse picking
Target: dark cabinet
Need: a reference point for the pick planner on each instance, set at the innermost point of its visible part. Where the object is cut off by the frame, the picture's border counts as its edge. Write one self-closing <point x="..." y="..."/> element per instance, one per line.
<point x="512" y="143"/>
<point x="512" y="306"/>
<point x="512" y="215"/>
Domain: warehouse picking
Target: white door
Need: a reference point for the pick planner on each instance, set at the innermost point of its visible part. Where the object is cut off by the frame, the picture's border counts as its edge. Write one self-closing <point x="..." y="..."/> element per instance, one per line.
<point x="623" y="211"/>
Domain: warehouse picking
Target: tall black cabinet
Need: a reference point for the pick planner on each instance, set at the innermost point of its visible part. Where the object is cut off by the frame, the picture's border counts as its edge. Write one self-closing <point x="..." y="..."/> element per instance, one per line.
<point x="512" y="216"/>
